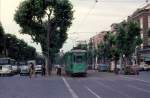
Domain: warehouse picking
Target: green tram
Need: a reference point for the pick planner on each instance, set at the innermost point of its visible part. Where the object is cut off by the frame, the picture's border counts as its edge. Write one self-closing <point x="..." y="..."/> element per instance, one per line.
<point x="76" y="62"/>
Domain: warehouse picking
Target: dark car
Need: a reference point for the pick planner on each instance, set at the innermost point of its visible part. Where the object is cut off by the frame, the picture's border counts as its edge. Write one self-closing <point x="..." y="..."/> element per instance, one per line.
<point x="131" y="70"/>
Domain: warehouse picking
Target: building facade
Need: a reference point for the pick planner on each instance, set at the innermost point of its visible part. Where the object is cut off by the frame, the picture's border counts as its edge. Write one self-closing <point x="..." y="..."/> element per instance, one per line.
<point x="94" y="42"/>
<point x="97" y="39"/>
<point x="142" y="16"/>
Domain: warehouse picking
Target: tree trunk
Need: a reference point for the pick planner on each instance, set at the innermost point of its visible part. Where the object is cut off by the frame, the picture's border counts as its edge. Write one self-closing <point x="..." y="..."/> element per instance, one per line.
<point x="48" y="66"/>
<point x="48" y="63"/>
<point x="121" y="63"/>
<point x="116" y="69"/>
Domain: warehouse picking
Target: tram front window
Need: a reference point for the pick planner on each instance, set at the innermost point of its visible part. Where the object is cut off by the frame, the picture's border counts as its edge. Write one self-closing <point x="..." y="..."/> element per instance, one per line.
<point x="79" y="59"/>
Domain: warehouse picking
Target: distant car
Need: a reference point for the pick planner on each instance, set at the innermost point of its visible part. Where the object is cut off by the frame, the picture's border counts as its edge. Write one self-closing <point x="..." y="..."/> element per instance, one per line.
<point x="146" y="67"/>
<point x="24" y="70"/>
<point x="5" y="70"/>
<point x="14" y="69"/>
<point x="102" y="67"/>
<point x="131" y="70"/>
<point x="6" y="66"/>
<point x="38" y="68"/>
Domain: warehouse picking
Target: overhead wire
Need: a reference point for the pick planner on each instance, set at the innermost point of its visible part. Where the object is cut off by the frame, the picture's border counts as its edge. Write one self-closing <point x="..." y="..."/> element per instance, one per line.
<point x="86" y="15"/>
<point x="93" y="7"/>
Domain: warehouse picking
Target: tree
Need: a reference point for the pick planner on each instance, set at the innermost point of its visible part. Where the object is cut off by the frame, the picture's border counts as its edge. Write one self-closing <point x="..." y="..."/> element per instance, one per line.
<point x="128" y="38"/>
<point x="90" y="53"/>
<point x="18" y="49"/>
<point x="121" y="45"/>
<point x="105" y="47"/>
<point x="1" y="39"/>
<point x="35" y="16"/>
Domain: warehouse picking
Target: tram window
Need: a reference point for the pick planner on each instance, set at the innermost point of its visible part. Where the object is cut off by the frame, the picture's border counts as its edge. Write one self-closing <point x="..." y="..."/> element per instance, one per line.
<point x="78" y="59"/>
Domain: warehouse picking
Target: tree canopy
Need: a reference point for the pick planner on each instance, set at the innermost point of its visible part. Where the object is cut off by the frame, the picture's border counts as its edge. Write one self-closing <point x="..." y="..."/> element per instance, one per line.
<point x="15" y="48"/>
<point x="33" y="17"/>
<point x="124" y="42"/>
<point x="128" y="37"/>
<point x="18" y="49"/>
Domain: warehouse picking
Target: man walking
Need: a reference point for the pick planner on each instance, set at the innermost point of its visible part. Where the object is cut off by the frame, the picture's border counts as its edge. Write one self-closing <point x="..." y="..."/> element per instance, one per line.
<point x="58" y="70"/>
<point x="43" y="70"/>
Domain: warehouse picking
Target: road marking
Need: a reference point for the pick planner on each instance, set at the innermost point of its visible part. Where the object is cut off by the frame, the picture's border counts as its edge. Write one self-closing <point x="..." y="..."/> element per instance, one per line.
<point x="135" y="79"/>
<point x="138" y="88"/>
<point x="97" y="96"/>
<point x="112" y="89"/>
<point x="74" y="95"/>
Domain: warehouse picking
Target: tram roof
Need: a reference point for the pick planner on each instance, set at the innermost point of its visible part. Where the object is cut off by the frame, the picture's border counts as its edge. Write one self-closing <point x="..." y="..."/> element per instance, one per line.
<point x="78" y="50"/>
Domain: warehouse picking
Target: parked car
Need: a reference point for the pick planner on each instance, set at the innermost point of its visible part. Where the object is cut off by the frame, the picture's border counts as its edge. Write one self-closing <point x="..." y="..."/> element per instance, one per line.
<point x="23" y="68"/>
<point x="102" y="67"/>
<point x="5" y="70"/>
<point x="141" y="68"/>
<point x="6" y="66"/>
<point x="14" y="69"/>
<point x="131" y="70"/>
<point x="146" y="67"/>
<point x="38" y="69"/>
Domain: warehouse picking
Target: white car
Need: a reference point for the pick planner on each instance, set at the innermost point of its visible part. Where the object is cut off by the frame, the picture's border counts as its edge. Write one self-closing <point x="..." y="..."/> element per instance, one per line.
<point x="146" y="67"/>
<point x="38" y="69"/>
<point x="14" y="69"/>
<point x="5" y="70"/>
<point x="24" y="69"/>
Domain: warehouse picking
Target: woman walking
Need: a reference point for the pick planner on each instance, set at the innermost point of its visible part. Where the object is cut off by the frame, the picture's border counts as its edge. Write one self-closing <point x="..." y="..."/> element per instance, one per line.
<point x="31" y="70"/>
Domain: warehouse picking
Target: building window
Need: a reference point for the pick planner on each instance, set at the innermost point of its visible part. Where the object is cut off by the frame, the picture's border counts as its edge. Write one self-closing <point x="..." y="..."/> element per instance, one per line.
<point x="141" y="23"/>
<point x="148" y="21"/>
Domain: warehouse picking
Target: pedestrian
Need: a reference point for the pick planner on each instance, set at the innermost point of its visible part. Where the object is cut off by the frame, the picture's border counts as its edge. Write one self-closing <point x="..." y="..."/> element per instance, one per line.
<point x="31" y="70"/>
<point x="43" y="70"/>
<point x="58" y="70"/>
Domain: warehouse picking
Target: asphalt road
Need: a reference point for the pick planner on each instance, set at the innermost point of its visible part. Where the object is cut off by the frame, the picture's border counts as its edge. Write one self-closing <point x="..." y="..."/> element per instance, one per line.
<point x="95" y="85"/>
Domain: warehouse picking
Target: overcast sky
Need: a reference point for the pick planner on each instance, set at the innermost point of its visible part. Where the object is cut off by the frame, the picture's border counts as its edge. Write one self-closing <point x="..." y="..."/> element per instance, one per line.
<point x="89" y="18"/>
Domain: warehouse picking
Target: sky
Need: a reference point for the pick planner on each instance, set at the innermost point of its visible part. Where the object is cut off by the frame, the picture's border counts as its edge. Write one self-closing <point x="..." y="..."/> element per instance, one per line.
<point x="90" y="18"/>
